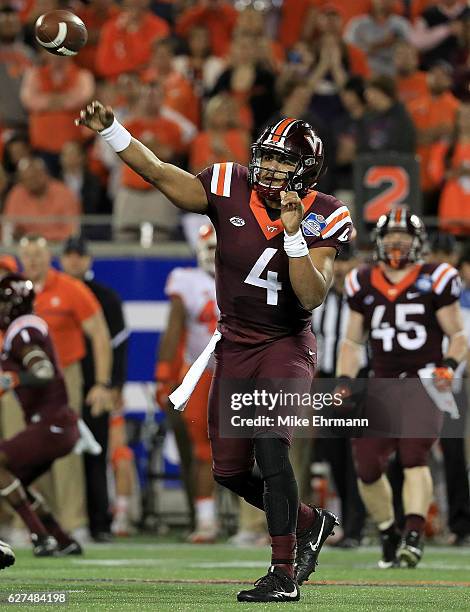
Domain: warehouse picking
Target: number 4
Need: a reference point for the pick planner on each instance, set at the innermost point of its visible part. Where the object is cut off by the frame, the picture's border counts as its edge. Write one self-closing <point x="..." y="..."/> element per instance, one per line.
<point x="271" y="284"/>
<point x="344" y="235"/>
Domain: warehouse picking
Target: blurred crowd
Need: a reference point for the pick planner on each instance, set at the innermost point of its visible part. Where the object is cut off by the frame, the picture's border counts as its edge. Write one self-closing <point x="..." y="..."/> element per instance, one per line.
<point x="196" y="81"/>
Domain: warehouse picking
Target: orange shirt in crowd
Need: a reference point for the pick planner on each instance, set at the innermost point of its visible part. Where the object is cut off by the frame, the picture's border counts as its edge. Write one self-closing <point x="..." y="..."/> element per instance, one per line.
<point x="293" y="16"/>
<point x="57" y="200"/>
<point x="122" y="50"/>
<point x="349" y="10"/>
<point x="65" y="303"/>
<point x="220" y="23"/>
<point x="454" y="202"/>
<point x="235" y="147"/>
<point x="50" y="129"/>
<point x="164" y="131"/>
<point x="178" y="93"/>
<point x="431" y="112"/>
<point x="412" y="87"/>
<point x="8" y="263"/>
<point x="94" y="21"/>
<point x="358" y="63"/>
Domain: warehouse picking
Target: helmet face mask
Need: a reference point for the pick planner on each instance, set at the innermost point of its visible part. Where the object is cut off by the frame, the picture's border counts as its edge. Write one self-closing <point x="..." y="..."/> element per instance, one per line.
<point x="400" y="238"/>
<point x="397" y="250"/>
<point x="292" y="141"/>
<point x="16" y="298"/>
<point x="269" y="182"/>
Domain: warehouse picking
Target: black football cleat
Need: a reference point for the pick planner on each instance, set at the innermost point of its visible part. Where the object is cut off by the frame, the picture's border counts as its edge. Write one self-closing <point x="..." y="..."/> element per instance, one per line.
<point x="43" y="545"/>
<point x="70" y="549"/>
<point x="411" y="549"/>
<point x="310" y="542"/>
<point x="390" y="540"/>
<point x="276" y="586"/>
<point x="7" y="556"/>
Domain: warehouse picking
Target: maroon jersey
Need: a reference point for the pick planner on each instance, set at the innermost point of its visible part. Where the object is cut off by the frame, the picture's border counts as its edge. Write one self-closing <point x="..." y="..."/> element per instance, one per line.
<point x="404" y="333"/>
<point x="50" y="399"/>
<point x="254" y="293"/>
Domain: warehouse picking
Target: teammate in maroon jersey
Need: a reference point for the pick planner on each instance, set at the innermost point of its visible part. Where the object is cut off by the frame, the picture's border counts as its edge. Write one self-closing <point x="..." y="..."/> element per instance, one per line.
<point x="29" y="367"/>
<point x="404" y="308"/>
<point x="276" y="244"/>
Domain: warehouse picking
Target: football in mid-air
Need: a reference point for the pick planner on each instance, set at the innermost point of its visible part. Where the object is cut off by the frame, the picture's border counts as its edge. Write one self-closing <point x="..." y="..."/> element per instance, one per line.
<point x="61" y="32"/>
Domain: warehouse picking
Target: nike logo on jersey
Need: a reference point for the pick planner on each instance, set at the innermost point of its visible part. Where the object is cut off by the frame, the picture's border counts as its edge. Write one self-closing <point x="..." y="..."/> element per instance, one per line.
<point x="237" y="221"/>
<point x="310" y="352"/>
<point x="284" y="594"/>
<point x="56" y="429"/>
<point x="411" y="295"/>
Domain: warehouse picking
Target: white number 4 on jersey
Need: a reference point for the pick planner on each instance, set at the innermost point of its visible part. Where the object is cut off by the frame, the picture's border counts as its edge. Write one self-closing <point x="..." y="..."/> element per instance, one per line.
<point x="344" y="235"/>
<point x="271" y="283"/>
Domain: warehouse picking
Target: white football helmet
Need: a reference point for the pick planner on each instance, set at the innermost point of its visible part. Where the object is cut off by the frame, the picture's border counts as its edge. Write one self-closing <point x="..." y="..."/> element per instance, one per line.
<point x="205" y="249"/>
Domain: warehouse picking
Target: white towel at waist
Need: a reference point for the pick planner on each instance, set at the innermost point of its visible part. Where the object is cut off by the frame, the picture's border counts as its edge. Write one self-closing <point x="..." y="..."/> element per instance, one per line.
<point x="180" y="396"/>
<point x="444" y="400"/>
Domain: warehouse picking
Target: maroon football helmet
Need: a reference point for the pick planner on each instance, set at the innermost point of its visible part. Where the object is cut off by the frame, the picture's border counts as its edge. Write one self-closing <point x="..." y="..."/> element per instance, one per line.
<point x="16" y="298"/>
<point x="296" y="141"/>
<point x="399" y="254"/>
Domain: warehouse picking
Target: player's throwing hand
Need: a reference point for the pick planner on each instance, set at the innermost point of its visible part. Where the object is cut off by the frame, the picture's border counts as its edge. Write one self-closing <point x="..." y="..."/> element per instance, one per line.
<point x="292" y="211"/>
<point x="96" y="116"/>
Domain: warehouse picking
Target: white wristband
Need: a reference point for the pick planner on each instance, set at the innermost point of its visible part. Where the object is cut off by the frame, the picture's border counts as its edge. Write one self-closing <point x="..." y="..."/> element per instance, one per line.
<point x="295" y="246"/>
<point x="116" y="136"/>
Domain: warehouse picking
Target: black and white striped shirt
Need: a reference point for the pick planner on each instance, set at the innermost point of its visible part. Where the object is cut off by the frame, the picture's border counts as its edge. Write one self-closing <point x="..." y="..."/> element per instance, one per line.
<point x="329" y="325"/>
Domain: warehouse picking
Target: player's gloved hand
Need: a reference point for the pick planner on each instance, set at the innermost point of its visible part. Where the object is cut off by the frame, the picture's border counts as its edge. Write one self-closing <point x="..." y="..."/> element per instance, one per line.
<point x="96" y="116"/>
<point x="8" y="380"/>
<point x="444" y="375"/>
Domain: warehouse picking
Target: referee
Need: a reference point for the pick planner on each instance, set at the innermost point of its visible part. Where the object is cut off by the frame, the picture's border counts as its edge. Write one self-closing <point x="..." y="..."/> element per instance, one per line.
<point x="329" y="324"/>
<point x="77" y="262"/>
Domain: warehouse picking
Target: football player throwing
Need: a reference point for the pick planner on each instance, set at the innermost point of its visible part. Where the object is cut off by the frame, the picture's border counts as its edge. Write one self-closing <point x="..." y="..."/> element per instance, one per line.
<point x="277" y="239"/>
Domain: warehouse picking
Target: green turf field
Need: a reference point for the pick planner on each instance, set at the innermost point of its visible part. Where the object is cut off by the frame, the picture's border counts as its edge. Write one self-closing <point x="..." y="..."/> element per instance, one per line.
<point x="138" y="575"/>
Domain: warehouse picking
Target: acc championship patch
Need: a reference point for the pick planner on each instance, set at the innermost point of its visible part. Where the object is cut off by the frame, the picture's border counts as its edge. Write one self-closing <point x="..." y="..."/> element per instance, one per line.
<point x="313" y="224"/>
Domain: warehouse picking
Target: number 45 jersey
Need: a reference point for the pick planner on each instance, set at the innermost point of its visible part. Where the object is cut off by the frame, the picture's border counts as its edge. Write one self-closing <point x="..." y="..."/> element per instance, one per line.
<point x="404" y="333"/>
<point x="254" y="293"/>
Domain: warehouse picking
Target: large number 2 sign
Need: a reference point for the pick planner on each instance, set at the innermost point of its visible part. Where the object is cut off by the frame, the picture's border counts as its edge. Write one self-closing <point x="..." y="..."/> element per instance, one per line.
<point x="397" y="191"/>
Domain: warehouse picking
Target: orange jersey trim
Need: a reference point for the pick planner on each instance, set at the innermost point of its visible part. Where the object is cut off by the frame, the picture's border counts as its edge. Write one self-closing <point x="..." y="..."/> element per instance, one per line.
<point x="444" y="271"/>
<point x="334" y="221"/>
<point x="221" y="179"/>
<point x="259" y="211"/>
<point x="389" y="290"/>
